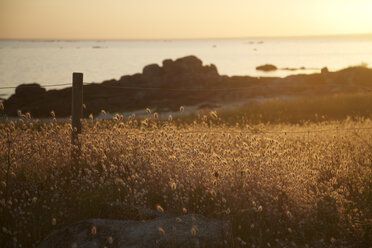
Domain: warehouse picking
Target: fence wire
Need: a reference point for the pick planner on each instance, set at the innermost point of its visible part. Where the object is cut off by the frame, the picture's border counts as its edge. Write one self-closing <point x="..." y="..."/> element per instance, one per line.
<point x="155" y="88"/>
<point x="30" y="86"/>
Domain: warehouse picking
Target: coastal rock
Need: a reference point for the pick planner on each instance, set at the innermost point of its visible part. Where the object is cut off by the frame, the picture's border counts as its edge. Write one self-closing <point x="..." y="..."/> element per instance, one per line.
<point x="152" y="71"/>
<point x="324" y="70"/>
<point x="30" y="90"/>
<point x="167" y="63"/>
<point x="293" y="68"/>
<point x="182" y="82"/>
<point x="188" y="64"/>
<point x="267" y="67"/>
<point x="185" y="231"/>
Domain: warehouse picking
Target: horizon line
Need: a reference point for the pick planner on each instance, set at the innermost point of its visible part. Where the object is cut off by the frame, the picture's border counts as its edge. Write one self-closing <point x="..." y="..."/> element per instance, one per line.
<point x="209" y="38"/>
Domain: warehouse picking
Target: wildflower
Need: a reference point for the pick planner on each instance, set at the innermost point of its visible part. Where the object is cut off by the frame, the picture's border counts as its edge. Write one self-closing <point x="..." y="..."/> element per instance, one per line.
<point x="93" y="230"/>
<point x="213" y="114"/>
<point x="194" y="230"/>
<point x="173" y="185"/>
<point x="289" y="214"/>
<point x="159" y="208"/>
<point x="161" y="230"/>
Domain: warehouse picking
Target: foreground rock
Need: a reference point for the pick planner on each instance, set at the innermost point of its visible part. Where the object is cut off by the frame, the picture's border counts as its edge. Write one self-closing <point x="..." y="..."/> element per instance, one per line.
<point x="185" y="231"/>
<point x="182" y="82"/>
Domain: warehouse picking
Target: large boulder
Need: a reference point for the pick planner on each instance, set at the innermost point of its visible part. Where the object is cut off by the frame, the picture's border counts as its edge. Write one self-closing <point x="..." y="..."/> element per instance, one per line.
<point x="30" y="90"/>
<point x="186" y="231"/>
<point x="188" y="64"/>
<point x="188" y="72"/>
<point x="27" y="98"/>
<point x="152" y="70"/>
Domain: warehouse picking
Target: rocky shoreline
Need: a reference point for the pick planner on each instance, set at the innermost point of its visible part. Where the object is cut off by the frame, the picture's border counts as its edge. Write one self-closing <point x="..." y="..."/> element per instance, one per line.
<point x="184" y="81"/>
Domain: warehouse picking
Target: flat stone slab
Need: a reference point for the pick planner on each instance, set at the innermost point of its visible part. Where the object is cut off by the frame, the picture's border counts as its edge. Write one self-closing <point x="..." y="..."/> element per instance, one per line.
<point x="190" y="230"/>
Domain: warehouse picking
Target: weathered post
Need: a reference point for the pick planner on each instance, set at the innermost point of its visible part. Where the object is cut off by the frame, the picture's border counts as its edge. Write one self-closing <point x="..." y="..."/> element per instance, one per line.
<point x="77" y="106"/>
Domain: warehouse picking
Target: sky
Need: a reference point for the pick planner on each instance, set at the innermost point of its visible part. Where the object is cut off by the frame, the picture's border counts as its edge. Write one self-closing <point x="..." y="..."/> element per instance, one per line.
<point x="181" y="19"/>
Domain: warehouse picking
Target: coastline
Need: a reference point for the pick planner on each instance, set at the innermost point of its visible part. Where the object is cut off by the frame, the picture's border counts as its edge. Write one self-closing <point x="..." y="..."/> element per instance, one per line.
<point x="184" y="82"/>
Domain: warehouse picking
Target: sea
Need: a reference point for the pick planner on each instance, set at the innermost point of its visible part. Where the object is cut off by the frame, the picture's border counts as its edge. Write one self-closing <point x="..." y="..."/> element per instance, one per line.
<point x="50" y="62"/>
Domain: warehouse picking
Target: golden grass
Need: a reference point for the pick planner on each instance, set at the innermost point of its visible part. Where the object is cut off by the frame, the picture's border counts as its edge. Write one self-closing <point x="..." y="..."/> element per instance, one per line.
<point x="280" y="185"/>
<point x="297" y="110"/>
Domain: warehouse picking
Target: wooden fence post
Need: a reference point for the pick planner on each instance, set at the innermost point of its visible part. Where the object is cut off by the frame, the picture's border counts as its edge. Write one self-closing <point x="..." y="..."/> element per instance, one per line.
<point x="77" y="106"/>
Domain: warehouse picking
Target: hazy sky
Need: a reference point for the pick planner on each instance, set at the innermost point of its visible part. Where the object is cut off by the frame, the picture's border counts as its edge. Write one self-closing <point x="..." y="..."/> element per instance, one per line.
<point x="162" y="19"/>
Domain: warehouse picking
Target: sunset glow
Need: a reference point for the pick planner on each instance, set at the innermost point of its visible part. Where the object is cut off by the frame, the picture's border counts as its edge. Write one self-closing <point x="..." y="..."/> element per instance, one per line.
<point x="169" y="19"/>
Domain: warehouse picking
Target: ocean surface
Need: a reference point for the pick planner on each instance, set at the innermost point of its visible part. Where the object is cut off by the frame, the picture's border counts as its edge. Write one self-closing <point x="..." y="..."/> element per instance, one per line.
<point x="53" y="61"/>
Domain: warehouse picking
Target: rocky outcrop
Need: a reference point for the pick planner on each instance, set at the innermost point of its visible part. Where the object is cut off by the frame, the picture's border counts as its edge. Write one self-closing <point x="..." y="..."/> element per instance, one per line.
<point x="184" y="81"/>
<point x="173" y="84"/>
<point x="185" y="231"/>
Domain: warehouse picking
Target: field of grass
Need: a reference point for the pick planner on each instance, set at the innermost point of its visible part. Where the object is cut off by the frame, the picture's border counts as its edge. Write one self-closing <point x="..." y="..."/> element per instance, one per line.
<point x="280" y="185"/>
<point x="298" y="110"/>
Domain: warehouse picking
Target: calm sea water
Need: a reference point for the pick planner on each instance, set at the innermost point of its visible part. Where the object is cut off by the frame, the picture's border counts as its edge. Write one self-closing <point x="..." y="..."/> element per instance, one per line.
<point x="52" y="62"/>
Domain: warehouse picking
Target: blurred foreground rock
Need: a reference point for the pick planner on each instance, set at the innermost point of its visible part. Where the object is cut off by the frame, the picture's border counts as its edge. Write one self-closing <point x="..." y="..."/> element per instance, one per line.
<point x="185" y="231"/>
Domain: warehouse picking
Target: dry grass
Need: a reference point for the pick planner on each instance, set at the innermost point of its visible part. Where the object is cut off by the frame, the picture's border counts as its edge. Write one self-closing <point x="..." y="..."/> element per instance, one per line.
<point x="279" y="185"/>
<point x="298" y="110"/>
